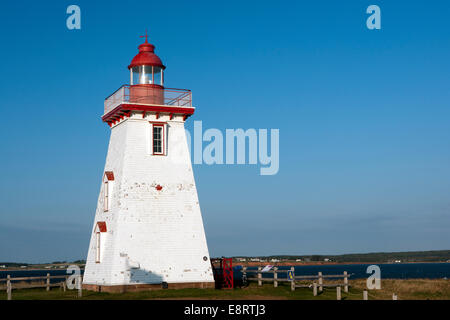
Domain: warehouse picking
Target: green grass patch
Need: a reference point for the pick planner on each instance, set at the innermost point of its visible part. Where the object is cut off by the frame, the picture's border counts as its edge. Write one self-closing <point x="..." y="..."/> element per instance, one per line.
<point x="421" y="289"/>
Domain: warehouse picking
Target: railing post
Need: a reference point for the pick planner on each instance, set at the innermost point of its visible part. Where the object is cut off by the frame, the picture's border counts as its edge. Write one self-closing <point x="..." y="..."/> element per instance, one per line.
<point x="259" y="277"/>
<point x="293" y="279"/>
<point x="338" y="293"/>
<point x="365" y="295"/>
<point x="8" y="287"/>
<point x="314" y="288"/>
<point x="345" y="281"/>
<point x="320" y="281"/>
<point x="48" y="282"/>
<point x="275" y="277"/>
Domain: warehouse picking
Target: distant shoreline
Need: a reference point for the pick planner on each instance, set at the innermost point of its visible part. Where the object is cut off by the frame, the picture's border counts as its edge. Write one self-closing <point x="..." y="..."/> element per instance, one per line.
<point x="256" y="264"/>
<point x="319" y="263"/>
<point x="403" y="257"/>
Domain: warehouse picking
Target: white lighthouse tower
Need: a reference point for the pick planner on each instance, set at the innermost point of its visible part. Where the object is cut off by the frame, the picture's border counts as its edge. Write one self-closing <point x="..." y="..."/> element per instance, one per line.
<point x="148" y="229"/>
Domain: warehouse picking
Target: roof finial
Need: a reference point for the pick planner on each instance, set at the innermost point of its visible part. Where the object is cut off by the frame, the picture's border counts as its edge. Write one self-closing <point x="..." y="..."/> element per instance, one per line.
<point x="145" y="36"/>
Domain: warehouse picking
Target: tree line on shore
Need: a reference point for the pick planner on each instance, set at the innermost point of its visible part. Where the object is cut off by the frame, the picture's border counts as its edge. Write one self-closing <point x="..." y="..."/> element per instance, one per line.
<point x="411" y="256"/>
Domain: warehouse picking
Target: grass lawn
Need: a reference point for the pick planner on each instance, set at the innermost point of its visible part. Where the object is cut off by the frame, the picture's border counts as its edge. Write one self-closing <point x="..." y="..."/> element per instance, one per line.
<point x="405" y="289"/>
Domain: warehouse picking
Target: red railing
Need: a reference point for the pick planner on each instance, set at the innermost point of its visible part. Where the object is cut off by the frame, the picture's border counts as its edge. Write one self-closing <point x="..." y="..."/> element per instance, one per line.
<point x="172" y="97"/>
<point x="223" y="273"/>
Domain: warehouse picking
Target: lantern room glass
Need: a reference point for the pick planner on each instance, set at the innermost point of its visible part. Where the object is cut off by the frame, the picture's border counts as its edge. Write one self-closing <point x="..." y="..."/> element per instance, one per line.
<point x="147" y="75"/>
<point x="157" y="75"/>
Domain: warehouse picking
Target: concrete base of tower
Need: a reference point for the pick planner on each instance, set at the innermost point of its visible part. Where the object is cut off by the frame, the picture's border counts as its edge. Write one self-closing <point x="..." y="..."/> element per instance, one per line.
<point x="147" y="287"/>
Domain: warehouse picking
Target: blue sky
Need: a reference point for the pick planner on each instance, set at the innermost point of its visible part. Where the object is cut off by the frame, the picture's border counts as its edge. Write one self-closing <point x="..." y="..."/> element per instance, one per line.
<point x="364" y="119"/>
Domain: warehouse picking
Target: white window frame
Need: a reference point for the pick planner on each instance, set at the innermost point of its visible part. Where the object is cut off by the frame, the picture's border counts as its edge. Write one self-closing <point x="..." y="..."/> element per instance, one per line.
<point x="99" y="239"/>
<point x="97" y="245"/>
<point x="107" y="191"/>
<point x="164" y="139"/>
<point x="106" y="196"/>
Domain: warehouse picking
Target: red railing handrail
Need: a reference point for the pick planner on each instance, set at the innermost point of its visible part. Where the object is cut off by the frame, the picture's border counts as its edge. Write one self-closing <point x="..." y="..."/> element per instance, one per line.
<point x="165" y="89"/>
<point x="177" y="89"/>
<point x="183" y="98"/>
<point x="124" y="85"/>
<point x="180" y="97"/>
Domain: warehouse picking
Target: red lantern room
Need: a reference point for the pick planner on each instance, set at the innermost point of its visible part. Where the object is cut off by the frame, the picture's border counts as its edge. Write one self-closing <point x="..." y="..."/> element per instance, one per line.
<point x="146" y="93"/>
<point x="146" y="76"/>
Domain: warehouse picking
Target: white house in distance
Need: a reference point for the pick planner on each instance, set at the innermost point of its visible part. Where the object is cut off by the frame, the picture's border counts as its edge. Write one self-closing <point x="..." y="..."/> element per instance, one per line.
<point x="148" y="230"/>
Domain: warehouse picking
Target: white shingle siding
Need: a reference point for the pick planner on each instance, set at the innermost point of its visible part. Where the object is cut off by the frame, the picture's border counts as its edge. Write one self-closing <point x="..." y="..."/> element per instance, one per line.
<point x="152" y="236"/>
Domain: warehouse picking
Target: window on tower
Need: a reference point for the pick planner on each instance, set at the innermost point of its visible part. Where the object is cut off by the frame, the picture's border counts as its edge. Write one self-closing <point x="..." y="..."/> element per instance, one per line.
<point x="106" y="200"/>
<point x="108" y="180"/>
<point x="97" y="247"/>
<point x="158" y="138"/>
<point x="100" y="233"/>
<point x="158" y="132"/>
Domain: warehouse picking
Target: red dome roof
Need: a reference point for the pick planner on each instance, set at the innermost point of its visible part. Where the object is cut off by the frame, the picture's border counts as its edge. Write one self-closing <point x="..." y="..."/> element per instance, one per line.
<point x="146" y="56"/>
